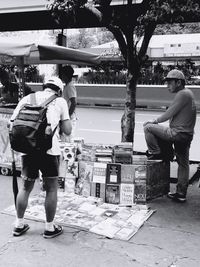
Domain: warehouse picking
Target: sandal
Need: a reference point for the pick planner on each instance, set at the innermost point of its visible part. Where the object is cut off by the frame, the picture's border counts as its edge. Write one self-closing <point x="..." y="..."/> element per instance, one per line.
<point x="50" y="234"/>
<point x="17" y="231"/>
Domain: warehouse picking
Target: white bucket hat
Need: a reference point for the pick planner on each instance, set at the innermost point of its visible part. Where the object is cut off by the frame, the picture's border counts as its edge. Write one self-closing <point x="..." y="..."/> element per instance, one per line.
<point x="55" y="81"/>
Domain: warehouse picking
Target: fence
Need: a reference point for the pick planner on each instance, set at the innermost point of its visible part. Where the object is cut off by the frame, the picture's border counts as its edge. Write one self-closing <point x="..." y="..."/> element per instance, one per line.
<point x="153" y="96"/>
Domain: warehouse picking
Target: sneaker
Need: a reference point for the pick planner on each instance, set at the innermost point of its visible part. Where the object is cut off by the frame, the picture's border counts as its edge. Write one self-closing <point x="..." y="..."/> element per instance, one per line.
<point x="177" y="197"/>
<point x="155" y="157"/>
<point x="17" y="231"/>
<point x="50" y="234"/>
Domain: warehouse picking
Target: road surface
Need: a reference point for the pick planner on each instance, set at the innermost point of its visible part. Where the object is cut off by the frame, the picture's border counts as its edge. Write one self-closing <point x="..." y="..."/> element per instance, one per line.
<point x="102" y="125"/>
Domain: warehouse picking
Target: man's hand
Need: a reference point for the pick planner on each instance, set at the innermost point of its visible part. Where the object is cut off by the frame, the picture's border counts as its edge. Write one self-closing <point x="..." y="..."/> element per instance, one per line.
<point x="150" y="122"/>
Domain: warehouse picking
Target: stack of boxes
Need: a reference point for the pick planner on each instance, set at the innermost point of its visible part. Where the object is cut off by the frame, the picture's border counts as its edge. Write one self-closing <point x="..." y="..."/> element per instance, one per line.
<point x="117" y="176"/>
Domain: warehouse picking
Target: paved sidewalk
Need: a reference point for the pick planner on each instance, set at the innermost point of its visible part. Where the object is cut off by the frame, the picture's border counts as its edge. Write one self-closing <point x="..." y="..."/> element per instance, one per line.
<point x="170" y="237"/>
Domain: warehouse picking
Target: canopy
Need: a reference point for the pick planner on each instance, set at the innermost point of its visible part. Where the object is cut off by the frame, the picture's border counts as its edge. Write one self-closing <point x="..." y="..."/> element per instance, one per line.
<point x="13" y="52"/>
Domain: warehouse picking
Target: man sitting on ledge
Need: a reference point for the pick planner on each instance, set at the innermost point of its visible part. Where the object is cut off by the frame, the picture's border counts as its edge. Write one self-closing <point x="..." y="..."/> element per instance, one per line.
<point x="181" y="115"/>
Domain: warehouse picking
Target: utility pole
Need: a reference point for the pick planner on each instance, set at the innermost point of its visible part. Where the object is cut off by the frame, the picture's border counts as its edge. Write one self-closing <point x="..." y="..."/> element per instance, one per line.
<point x="61" y="40"/>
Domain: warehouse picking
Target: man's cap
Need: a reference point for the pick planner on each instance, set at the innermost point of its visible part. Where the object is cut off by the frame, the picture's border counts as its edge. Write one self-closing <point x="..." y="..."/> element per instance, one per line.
<point x="175" y="75"/>
<point x="55" y="81"/>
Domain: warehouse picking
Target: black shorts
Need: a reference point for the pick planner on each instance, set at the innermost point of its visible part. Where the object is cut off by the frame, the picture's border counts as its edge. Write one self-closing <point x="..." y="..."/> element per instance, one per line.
<point x="47" y="164"/>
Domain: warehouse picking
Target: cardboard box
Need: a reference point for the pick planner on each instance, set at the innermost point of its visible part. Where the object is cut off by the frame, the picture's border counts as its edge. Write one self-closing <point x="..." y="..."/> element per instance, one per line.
<point x="158" y="179"/>
<point x="152" y="180"/>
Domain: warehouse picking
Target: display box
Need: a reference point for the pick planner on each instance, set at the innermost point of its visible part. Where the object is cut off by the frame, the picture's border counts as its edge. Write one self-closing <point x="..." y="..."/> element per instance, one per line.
<point x="112" y="194"/>
<point x="127" y="173"/>
<point x="127" y="194"/>
<point x="140" y="196"/>
<point x="113" y="173"/>
<point x="98" y="190"/>
<point x="152" y="180"/>
<point x="99" y="180"/>
<point x="85" y="174"/>
<point x="99" y="173"/>
<point x="148" y="180"/>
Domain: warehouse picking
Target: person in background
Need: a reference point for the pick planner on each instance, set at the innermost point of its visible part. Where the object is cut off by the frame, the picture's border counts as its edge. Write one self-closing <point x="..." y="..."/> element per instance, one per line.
<point x="9" y="92"/>
<point x="181" y="115"/>
<point x="70" y="95"/>
<point x="47" y="163"/>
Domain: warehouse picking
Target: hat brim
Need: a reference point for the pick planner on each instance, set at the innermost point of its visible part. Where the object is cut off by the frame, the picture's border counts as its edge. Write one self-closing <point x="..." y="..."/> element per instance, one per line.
<point x="168" y="79"/>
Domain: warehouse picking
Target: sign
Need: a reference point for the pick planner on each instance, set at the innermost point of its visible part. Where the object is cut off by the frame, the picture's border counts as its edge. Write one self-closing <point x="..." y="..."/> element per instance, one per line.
<point x="5" y="150"/>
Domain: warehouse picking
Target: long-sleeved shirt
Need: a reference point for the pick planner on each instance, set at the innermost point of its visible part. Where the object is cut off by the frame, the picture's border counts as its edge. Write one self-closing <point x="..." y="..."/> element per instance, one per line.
<point x="181" y="113"/>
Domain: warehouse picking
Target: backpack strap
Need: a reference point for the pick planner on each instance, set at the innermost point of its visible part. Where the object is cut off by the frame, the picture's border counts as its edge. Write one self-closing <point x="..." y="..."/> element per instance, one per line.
<point x="45" y="103"/>
<point x="49" y="100"/>
<point x="33" y="99"/>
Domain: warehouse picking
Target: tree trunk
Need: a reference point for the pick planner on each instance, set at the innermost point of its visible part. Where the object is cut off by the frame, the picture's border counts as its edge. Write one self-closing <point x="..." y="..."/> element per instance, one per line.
<point x="128" y="118"/>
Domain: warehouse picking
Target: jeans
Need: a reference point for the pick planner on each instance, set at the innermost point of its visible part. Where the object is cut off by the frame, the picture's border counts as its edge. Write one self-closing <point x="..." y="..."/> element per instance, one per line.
<point x="181" y="143"/>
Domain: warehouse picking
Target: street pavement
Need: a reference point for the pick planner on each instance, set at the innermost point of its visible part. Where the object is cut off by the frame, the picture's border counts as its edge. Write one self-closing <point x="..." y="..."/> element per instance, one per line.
<point x="169" y="238"/>
<point x="103" y="125"/>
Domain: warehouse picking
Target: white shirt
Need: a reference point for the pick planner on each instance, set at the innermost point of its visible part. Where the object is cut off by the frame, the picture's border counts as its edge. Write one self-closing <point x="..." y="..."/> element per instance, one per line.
<point x="57" y="111"/>
<point x="69" y="92"/>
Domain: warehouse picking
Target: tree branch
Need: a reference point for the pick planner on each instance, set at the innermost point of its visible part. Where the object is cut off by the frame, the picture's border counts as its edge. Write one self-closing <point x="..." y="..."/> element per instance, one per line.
<point x="116" y="31"/>
<point x="149" y="30"/>
<point x="94" y="11"/>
